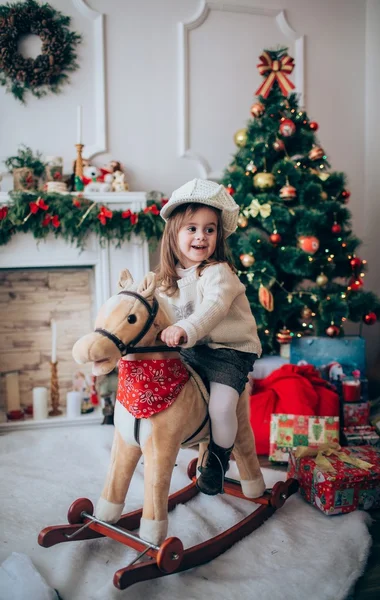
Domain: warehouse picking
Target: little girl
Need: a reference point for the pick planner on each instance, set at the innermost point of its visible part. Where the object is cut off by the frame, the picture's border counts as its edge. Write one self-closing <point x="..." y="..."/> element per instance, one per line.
<point x="215" y="326"/>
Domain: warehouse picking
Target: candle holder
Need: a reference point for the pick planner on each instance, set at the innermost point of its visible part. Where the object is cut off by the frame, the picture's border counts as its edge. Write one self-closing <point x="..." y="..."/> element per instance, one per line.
<point x="54" y="390"/>
<point x="79" y="185"/>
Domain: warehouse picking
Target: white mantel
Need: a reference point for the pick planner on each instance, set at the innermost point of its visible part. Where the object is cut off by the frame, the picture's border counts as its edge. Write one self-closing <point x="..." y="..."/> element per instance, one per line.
<point x="24" y="251"/>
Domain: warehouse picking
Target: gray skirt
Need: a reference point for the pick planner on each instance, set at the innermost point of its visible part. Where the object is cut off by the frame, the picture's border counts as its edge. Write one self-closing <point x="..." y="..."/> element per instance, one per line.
<point x="222" y="365"/>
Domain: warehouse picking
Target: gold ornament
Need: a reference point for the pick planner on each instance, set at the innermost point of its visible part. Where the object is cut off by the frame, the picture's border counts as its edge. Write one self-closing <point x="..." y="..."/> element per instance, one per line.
<point x="284" y="336"/>
<point x="257" y="109"/>
<point x="266" y="298"/>
<point x="242" y="221"/>
<point x="323" y="176"/>
<point x="321" y="280"/>
<point x="247" y="260"/>
<point x="316" y="153"/>
<point x="306" y="312"/>
<point x="263" y="181"/>
<point x="324" y="196"/>
<point x="240" y="137"/>
<point x="288" y="192"/>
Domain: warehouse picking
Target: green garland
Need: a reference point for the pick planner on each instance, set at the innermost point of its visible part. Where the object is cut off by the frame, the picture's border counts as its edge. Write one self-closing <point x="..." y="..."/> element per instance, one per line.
<point x="48" y="71"/>
<point x="73" y="218"/>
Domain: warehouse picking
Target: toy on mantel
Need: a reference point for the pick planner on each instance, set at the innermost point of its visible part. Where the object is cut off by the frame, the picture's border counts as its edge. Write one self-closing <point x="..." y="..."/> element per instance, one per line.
<point x="94" y="182"/>
<point x="86" y="385"/>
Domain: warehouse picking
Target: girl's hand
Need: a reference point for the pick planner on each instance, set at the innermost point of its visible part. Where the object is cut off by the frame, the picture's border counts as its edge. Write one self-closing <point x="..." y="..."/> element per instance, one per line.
<point x="172" y="335"/>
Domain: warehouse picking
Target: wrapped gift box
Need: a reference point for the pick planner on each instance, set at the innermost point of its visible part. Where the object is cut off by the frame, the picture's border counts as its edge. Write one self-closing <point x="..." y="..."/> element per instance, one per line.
<point x="349" y="352"/>
<point x="355" y="414"/>
<point x="348" y="488"/>
<point x="365" y="435"/>
<point x="289" y="431"/>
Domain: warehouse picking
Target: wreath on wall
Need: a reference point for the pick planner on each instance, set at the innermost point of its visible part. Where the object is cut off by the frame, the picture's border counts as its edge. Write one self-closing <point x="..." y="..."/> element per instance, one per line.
<point x="49" y="70"/>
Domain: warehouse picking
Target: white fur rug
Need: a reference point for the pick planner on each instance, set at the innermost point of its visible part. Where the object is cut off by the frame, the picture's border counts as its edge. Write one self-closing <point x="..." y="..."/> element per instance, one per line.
<point x="298" y="553"/>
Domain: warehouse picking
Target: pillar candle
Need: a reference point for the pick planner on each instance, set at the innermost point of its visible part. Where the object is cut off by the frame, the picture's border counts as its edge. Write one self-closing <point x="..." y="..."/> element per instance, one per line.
<point x="73" y="404"/>
<point x="40" y="403"/>
<point x="12" y="391"/>
<point x="351" y="390"/>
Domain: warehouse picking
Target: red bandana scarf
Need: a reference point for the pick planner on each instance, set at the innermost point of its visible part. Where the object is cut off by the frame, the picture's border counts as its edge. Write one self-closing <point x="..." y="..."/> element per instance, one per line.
<point x="148" y="386"/>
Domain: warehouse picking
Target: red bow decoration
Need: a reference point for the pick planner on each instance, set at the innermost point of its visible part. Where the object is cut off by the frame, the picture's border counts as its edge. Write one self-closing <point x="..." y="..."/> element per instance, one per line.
<point x="277" y="70"/>
<point x="152" y="209"/>
<point x="134" y="218"/>
<point x="53" y="219"/>
<point x="126" y="214"/>
<point x="3" y="212"/>
<point x="35" y="206"/>
<point x="104" y="214"/>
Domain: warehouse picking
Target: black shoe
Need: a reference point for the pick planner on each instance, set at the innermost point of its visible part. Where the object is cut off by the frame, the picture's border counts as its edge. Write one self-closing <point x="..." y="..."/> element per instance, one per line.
<point x="211" y="479"/>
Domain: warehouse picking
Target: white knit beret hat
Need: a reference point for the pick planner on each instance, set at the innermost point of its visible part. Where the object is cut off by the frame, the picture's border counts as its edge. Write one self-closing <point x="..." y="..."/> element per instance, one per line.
<point x="203" y="191"/>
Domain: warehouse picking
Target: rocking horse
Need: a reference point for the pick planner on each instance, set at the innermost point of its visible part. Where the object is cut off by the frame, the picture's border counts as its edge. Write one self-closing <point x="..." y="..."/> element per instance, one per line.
<point x="129" y="324"/>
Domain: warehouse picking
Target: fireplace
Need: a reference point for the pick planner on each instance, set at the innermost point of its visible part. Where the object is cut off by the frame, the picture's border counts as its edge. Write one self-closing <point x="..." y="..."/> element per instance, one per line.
<point x="51" y="279"/>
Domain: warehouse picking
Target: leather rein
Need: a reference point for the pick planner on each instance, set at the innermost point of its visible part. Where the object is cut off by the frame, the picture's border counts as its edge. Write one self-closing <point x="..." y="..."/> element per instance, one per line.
<point x="131" y="347"/>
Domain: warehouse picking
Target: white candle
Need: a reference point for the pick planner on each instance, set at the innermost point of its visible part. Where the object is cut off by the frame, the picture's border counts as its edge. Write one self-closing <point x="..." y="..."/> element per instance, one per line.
<point x="12" y="391"/>
<point x="53" y="341"/>
<point x="79" y="124"/>
<point x="73" y="404"/>
<point x="40" y="403"/>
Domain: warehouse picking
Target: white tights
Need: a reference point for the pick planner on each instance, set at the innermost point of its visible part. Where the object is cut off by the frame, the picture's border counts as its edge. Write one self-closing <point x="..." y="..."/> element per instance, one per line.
<point x="222" y="410"/>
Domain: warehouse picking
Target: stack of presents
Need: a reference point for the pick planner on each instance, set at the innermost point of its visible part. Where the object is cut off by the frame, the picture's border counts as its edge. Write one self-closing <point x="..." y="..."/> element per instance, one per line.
<point x="314" y="414"/>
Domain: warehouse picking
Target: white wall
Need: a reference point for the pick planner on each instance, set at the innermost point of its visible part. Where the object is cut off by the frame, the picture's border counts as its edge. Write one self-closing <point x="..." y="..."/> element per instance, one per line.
<point x="143" y="87"/>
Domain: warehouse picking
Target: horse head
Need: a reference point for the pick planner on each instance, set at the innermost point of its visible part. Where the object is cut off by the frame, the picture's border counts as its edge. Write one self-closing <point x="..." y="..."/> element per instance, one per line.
<point x="130" y="318"/>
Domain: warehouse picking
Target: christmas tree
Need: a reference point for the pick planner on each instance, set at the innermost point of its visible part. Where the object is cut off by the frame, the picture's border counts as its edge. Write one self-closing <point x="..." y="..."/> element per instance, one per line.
<point x="294" y="247"/>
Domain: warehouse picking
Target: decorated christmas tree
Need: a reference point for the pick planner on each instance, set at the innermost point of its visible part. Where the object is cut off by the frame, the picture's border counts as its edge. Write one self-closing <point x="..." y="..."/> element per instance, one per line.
<point x="294" y="247"/>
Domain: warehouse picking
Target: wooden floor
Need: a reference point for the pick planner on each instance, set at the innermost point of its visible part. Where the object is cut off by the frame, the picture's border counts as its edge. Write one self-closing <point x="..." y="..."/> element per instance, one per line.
<point x="368" y="586"/>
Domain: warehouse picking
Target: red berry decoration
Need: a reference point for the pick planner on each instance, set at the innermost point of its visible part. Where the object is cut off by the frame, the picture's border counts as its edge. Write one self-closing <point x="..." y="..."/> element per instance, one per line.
<point x="275" y="238"/>
<point x="287" y="128"/>
<point x="355" y="283"/>
<point x="336" y="228"/>
<point x="332" y="330"/>
<point x="370" y="318"/>
<point x="356" y="262"/>
<point x="313" y="126"/>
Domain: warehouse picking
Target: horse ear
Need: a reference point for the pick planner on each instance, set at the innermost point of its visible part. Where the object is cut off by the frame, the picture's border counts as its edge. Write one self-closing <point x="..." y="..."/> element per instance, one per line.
<point x="148" y="285"/>
<point x="125" y="280"/>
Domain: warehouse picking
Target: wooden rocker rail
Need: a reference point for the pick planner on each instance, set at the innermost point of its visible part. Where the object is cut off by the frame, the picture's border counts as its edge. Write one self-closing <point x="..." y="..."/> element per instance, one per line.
<point x="170" y="557"/>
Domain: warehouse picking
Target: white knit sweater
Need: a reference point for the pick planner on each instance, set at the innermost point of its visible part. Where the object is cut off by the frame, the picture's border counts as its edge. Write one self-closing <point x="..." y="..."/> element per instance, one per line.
<point x="213" y="309"/>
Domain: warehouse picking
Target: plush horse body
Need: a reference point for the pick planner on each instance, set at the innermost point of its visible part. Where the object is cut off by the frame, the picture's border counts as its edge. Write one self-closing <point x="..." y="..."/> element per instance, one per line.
<point x="133" y="318"/>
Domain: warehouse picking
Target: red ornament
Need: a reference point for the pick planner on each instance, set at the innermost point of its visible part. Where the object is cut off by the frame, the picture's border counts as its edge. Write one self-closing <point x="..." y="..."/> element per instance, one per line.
<point x="356" y="262"/>
<point x="288" y="192"/>
<point x="370" y="318"/>
<point x="3" y="212"/>
<point x="332" y="330"/>
<point x="257" y="109"/>
<point x="313" y="126"/>
<point x="355" y="283"/>
<point x="346" y="194"/>
<point x="230" y="190"/>
<point x="336" y="228"/>
<point x="266" y="298"/>
<point x="275" y="238"/>
<point x="316" y="153"/>
<point x="284" y="336"/>
<point x="278" y="145"/>
<point x="287" y="128"/>
<point x="308" y="243"/>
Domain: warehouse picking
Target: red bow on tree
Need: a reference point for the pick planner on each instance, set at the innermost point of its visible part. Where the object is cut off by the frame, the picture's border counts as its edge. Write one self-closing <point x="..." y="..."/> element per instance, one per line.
<point x="152" y="209"/>
<point x="276" y="70"/>
<point x="104" y="214"/>
<point x="35" y="206"/>
<point x="53" y="219"/>
<point x="3" y="212"/>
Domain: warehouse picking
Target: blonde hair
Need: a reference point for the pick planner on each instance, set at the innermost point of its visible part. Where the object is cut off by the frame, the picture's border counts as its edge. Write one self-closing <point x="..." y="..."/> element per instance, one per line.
<point x="171" y="254"/>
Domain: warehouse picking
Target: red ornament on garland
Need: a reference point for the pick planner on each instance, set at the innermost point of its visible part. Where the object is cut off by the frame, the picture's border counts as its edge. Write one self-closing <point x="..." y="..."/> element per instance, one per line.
<point x="336" y="228"/>
<point x="275" y="238"/>
<point x="313" y="125"/>
<point x="370" y="318"/>
<point x="287" y="128"/>
<point x="355" y="283"/>
<point x="356" y="262"/>
<point x="332" y="330"/>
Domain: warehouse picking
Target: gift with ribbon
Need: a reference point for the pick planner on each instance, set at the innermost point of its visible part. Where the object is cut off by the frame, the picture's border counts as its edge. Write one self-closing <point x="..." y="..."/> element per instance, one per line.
<point x="275" y="70"/>
<point x="337" y="480"/>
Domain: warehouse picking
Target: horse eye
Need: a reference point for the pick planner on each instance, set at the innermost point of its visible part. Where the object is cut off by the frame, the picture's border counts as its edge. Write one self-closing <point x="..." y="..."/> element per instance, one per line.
<point x="132" y="319"/>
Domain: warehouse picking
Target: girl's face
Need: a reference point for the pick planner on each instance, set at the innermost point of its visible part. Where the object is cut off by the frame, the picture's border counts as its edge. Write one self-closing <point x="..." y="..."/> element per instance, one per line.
<point x="197" y="237"/>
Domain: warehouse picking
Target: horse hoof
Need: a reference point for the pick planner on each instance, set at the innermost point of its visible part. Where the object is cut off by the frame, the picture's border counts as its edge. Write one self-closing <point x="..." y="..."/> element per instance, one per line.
<point x="108" y="511"/>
